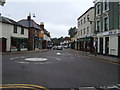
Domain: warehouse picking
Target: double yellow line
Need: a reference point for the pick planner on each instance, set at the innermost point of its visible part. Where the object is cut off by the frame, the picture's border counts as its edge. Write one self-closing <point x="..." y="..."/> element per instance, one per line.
<point x="25" y="86"/>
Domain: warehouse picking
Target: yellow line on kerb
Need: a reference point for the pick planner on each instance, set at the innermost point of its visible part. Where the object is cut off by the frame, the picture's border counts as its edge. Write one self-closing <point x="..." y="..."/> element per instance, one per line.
<point x="23" y="86"/>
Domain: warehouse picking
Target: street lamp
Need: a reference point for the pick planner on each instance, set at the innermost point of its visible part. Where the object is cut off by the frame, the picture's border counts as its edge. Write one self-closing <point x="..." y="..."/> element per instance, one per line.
<point x="30" y="36"/>
<point x="2" y="2"/>
<point x="95" y="36"/>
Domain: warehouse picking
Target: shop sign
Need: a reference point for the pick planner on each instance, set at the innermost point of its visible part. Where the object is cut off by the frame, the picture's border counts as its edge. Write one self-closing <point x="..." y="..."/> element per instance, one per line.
<point x="114" y="32"/>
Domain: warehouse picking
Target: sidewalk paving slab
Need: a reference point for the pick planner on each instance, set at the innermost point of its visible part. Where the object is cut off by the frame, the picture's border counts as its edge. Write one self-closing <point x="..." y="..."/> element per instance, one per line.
<point x="22" y="52"/>
<point x="102" y="57"/>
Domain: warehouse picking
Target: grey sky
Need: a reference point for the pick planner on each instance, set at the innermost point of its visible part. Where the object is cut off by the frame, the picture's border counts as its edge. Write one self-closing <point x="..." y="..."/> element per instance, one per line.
<point x="57" y="16"/>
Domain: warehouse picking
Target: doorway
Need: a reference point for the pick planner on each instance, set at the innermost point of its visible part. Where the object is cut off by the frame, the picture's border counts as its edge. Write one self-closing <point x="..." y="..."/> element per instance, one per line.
<point x="101" y="45"/>
<point x="106" y="45"/>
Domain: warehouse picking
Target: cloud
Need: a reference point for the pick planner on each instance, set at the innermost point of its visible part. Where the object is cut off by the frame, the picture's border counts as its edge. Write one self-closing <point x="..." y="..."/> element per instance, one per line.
<point x="57" y="16"/>
<point x="57" y="30"/>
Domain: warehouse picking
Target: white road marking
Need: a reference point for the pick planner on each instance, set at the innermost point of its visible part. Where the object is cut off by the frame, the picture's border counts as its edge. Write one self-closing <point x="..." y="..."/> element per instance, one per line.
<point x="43" y="63"/>
<point x="22" y="62"/>
<point x="59" y="54"/>
<point x="13" y="58"/>
<point x="36" y="59"/>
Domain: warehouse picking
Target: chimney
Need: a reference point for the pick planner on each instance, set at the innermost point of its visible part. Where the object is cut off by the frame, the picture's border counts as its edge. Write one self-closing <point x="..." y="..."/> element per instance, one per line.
<point x="42" y="25"/>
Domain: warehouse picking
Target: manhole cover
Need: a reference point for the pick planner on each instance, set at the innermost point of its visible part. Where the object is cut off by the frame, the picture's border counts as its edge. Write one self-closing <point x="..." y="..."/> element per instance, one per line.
<point x="36" y="59"/>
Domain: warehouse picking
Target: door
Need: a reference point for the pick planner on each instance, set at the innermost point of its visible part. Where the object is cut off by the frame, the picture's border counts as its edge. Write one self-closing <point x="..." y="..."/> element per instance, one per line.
<point x="106" y="45"/>
<point x="4" y="44"/>
<point x="101" y="45"/>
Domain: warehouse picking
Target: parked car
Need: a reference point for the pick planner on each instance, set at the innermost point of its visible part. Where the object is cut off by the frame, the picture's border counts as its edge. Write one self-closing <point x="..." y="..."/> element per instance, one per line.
<point x="59" y="47"/>
<point x="54" y="47"/>
<point x="65" y="47"/>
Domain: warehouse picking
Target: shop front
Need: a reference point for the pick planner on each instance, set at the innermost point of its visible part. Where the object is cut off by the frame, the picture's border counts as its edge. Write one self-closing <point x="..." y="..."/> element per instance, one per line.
<point x="19" y="44"/>
<point x="85" y="44"/>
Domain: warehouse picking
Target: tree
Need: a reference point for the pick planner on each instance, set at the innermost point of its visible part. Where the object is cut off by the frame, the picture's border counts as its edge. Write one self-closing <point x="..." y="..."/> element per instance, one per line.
<point x="72" y="31"/>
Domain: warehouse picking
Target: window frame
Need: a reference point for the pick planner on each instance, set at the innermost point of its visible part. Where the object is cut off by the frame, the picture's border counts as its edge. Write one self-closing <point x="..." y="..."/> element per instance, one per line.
<point x="22" y="30"/>
<point x="99" y="4"/>
<point x="97" y="26"/>
<point x="104" y="23"/>
<point x="15" y="29"/>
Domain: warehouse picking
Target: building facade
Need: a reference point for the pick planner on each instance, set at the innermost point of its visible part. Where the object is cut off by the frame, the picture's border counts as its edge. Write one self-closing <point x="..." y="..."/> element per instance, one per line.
<point x="13" y="36"/>
<point x="107" y="27"/>
<point x="34" y="31"/>
<point x="85" y="30"/>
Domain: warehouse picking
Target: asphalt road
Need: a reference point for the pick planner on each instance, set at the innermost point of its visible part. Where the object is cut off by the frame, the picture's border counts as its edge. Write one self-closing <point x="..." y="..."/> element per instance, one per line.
<point x="63" y="69"/>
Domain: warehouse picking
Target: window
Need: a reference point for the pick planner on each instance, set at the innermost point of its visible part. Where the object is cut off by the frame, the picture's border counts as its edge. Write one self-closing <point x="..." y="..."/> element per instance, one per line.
<point x="81" y="32"/>
<point x="105" y="24"/>
<point x="98" y="9"/>
<point x="105" y="5"/>
<point x="81" y="22"/>
<point x="84" y="31"/>
<point x="87" y="30"/>
<point x="88" y="17"/>
<point x="84" y="19"/>
<point x="22" y="30"/>
<point x="15" y="29"/>
<point x="98" y="26"/>
<point x="78" y="24"/>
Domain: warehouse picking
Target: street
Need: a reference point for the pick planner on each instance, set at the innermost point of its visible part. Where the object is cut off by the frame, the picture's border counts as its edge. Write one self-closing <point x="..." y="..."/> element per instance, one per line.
<point x="61" y="69"/>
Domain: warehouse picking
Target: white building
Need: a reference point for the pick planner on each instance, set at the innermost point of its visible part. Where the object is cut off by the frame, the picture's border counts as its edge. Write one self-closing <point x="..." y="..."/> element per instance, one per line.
<point x="13" y="35"/>
<point x="85" y="30"/>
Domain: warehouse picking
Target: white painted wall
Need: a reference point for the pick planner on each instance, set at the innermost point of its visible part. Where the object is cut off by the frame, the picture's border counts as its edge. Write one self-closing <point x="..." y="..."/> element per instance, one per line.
<point x="7" y="32"/>
<point x="86" y="24"/>
<point x="103" y="45"/>
<point x="46" y="38"/>
<point x="98" y="44"/>
<point x="113" y="49"/>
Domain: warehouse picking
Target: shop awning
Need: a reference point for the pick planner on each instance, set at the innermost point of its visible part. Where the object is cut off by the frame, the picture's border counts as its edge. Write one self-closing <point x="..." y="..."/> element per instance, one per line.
<point x="85" y="39"/>
<point x="19" y="38"/>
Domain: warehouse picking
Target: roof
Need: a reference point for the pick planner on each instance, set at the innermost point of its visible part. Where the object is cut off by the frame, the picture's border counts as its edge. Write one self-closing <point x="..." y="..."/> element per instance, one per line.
<point x="29" y="23"/>
<point x="8" y="21"/>
<point x="85" y="12"/>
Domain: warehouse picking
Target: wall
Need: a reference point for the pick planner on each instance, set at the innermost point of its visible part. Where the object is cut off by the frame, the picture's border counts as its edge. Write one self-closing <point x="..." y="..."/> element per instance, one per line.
<point x="86" y="24"/>
<point x="113" y="49"/>
<point x="7" y="32"/>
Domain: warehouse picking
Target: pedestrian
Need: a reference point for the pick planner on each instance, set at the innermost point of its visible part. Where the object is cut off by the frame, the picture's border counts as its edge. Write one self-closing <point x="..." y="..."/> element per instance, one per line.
<point x="94" y="50"/>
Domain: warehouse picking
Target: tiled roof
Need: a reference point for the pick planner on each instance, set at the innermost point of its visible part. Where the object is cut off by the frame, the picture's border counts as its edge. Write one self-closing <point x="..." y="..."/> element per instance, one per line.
<point x="9" y="21"/>
<point x="29" y="23"/>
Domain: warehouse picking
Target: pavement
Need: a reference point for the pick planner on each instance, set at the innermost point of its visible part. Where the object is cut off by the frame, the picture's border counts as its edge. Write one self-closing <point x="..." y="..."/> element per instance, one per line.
<point x="101" y="57"/>
<point x="22" y="52"/>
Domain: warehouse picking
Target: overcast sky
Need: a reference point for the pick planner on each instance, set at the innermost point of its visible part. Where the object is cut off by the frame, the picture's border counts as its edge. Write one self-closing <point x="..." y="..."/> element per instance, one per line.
<point x="58" y="16"/>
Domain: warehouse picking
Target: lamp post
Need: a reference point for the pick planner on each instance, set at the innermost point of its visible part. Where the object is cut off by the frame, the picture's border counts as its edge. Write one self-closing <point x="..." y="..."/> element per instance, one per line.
<point x="2" y="2"/>
<point x="30" y="36"/>
<point x="95" y="37"/>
